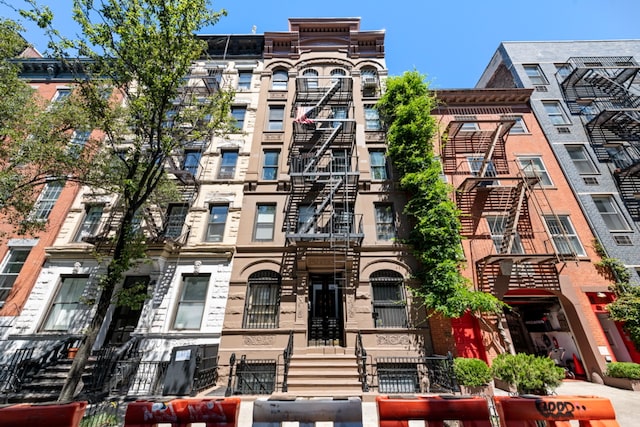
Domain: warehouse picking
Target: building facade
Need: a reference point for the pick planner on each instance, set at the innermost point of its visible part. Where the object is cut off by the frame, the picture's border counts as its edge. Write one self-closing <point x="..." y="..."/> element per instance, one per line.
<point x="585" y="96"/>
<point x="525" y="238"/>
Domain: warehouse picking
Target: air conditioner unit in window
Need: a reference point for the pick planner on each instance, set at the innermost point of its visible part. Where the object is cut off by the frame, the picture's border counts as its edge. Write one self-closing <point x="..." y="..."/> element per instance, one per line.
<point x="369" y="81"/>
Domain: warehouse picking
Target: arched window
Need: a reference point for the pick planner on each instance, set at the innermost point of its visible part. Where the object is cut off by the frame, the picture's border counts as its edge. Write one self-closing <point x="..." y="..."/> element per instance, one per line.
<point x="389" y="302"/>
<point x="263" y="300"/>
<point x="279" y="80"/>
<point x="311" y="77"/>
<point x="337" y="72"/>
<point x="369" y="78"/>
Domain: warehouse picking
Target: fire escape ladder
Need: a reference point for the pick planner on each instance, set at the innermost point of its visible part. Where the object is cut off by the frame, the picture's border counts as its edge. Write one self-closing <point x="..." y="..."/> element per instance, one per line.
<point x="488" y="154"/>
<point x="312" y="112"/>
<point x="322" y="149"/>
<point x="511" y="225"/>
<point x="328" y="200"/>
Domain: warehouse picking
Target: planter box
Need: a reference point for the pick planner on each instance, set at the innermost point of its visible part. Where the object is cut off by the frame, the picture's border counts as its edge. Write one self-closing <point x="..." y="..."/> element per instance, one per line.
<point x="623" y="383"/>
<point x="483" y="390"/>
<point x="503" y="385"/>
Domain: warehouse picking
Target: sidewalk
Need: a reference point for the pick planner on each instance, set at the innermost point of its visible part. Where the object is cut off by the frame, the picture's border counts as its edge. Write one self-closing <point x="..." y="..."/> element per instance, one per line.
<point x="625" y="402"/>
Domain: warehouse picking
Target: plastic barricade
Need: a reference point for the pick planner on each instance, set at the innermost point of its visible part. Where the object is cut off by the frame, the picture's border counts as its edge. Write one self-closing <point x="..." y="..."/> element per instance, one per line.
<point x="36" y="415"/>
<point x="433" y="410"/>
<point x="343" y="412"/>
<point x="557" y="411"/>
<point x="222" y="412"/>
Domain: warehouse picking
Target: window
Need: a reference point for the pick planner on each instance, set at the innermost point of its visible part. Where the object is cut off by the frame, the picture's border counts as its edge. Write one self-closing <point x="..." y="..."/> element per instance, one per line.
<point x="497" y="227"/>
<point x="276" y="117"/>
<point x="470" y="127"/>
<point x="339" y="113"/>
<point x="581" y="159"/>
<point x="562" y="71"/>
<point x="66" y="305"/>
<point x="389" y="304"/>
<point x="535" y="74"/>
<point x="475" y="167"/>
<point x="78" y="141"/>
<point x="610" y="213"/>
<point x="385" y="221"/>
<point x="271" y="159"/>
<point x="46" y="200"/>
<point x="306" y="215"/>
<point x="564" y="236"/>
<point x="378" y="165"/>
<point x="13" y="263"/>
<point x="336" y="73"/>
<point x="311" y="78"/>
<point x="217" y="222"/>
<point x="371" y="118"/>
<point x="265" y="221"/>
<point x="556" y="113"/>
<point x="519" y="126"/>
<point x="279" y="80"/>
<point x="228" y="165"/>
<point x="244" y="79"/>
<point x="192" y="301"/>
<point x="90" y="223"/>
<point x="369" y="79"/>
<point x="176" y="215"/>
<point x="534" y="167"/>
<point x="238" y="113"/>
<point x="191" y="161"/>
<point x="61" y="95"/>
<point x="263" y="300"/>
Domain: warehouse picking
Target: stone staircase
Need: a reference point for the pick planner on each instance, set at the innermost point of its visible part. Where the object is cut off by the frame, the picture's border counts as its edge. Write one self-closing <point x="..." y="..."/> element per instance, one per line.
<point x="320" y="373"/>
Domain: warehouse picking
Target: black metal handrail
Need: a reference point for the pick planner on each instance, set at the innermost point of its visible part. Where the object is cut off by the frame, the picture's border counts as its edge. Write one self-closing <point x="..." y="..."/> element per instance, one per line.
<point x="288" y="352"/>
<point x="361" y="355"/>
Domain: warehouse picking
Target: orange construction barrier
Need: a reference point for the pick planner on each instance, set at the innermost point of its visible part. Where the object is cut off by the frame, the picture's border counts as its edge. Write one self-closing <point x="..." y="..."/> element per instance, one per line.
<point x="221" y="412"/>
<point x="35" y="415"/>
<point x="557" y="411"/>
<point x="433" y="410"/>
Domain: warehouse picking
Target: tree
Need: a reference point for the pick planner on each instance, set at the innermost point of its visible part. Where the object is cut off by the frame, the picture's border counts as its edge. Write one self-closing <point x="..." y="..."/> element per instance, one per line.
<point x="435" y="238"/>
<point x="143" y="49"/>
<point x="34" y="137"/>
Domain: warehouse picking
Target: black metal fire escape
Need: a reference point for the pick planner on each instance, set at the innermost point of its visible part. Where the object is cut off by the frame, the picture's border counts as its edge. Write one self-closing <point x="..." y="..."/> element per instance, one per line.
<point x="490" y="185"/>
<point x="323" y="168"/>
<point x="605" y="91"/>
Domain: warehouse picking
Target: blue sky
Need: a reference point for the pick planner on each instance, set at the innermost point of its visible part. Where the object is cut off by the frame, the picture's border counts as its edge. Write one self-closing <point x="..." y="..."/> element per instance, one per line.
<point x="450" y="41"/>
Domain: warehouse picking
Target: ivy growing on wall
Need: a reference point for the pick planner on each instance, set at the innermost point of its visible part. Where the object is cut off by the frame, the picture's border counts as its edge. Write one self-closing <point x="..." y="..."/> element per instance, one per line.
<point x="626" y="307"/>
<point x="435" y="236"/>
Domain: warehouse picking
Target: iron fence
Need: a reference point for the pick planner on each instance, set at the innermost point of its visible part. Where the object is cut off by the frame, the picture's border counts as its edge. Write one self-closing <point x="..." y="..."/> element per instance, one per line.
<point x="416" y="374"/>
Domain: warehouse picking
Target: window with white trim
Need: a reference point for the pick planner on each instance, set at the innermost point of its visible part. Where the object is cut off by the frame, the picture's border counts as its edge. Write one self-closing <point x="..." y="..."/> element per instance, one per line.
<point x="581" y="159"/>
<point x="533" y="166"/>
<point x="270" y="161"/>
<point x="193" y="299"/>
<point x="497" y="227"/>
<point x="13" y="263"/>
<point x="265" y="222"/>
<point x="244" y="79"/>
<point x="228" y="161"/>
<point x="564" y="236"/>
<point x="47" y="200"/>
<point x="65" y="308"/>
<point x="385" y="221"/>
<point x="279" y="80"/>
<point x="90" y="223"/>
<point x="176" y="216"/>
<point x="610" y="213"/>
<point x="276" y="117"/>
<point x="535" y="74"/>
<point x="217" y="222"/>
<point x="371" y="118"/>
<point x="556" y="113"/>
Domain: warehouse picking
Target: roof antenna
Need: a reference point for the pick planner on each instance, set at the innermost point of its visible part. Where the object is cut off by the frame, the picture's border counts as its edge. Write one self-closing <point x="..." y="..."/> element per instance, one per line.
<point x="253" y="29"/>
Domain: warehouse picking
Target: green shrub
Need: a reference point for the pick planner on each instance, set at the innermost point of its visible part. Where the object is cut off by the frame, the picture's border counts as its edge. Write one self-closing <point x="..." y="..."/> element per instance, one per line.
<point x="624" y="370"/>
<point x="529" y="374"/>
<point x="472" y="372"/>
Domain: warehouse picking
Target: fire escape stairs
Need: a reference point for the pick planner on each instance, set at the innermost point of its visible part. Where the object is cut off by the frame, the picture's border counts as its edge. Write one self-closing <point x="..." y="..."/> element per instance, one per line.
<point x="511" y="225"/>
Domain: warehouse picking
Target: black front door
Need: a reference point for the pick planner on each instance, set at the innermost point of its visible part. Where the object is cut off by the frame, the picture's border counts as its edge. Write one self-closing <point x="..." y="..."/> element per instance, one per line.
<point x="125" y="318"/>
<point x="325" y="311"/>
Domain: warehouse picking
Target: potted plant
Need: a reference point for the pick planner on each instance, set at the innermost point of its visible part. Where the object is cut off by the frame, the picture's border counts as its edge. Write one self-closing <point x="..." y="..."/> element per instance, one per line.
<point x="527" y="374"/>
<point x="625" y="375"/>
<point x="474" y="375"/>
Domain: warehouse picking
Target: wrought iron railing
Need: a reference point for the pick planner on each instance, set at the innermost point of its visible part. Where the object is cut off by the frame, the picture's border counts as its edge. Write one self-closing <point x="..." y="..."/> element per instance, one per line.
<point x="288" y="352"/>
<point x="251" y="376"/>
<point x="135" y="378"/>
<point x="416" y="374"/>
<point x="361" y="355"/>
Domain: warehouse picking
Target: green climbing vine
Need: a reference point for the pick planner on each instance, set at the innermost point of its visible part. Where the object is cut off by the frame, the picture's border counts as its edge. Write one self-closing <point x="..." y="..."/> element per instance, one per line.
<point x="626" y="307"/>
<point x="435" y="236"/>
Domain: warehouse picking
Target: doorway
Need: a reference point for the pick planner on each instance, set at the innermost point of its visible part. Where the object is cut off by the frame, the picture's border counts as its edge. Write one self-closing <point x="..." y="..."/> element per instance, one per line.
<point x="125" y="318"/>
<point x="326" y="323"/>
